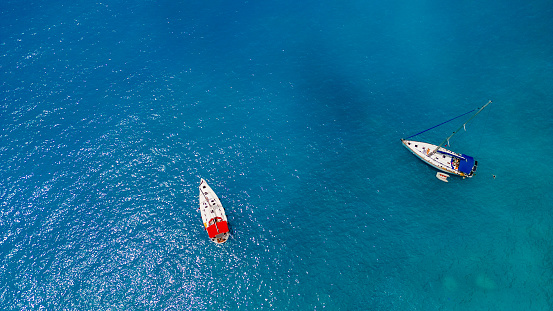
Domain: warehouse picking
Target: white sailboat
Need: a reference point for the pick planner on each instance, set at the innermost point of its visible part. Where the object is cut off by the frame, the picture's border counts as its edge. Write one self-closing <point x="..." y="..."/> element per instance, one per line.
<point x="213" y="214"/>
<point x="443" y="159"/>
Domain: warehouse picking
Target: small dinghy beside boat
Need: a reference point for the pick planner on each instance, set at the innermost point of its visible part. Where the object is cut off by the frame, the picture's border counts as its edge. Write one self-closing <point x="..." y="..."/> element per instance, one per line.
<point x="442" y="176"/>
<point x="213" y="214"/>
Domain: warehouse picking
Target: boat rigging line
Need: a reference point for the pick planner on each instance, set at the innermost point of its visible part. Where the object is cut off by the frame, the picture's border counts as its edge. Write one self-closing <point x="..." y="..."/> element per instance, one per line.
<point x="462" y="126"/>
<point x="442" y="123"/>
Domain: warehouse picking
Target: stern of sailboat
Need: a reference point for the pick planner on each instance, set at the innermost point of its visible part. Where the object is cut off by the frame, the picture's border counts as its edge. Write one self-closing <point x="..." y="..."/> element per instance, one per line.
<point x="473" y="168"/>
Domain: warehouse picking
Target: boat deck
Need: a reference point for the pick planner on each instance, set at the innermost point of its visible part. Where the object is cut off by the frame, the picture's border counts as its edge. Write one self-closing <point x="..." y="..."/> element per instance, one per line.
<point x="444" y="159"/>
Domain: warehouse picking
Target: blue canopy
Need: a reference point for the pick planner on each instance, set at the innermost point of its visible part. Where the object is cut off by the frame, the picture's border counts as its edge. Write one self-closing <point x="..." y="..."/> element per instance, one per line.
<point x="466" y="164"/>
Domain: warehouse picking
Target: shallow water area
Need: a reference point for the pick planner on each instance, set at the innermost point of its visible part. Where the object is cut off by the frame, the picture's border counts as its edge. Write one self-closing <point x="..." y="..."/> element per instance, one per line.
<point x="111" y="113"/>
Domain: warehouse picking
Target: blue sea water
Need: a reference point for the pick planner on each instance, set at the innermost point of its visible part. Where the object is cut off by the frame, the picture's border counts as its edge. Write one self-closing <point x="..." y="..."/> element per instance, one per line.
<point x="112" y="111"/>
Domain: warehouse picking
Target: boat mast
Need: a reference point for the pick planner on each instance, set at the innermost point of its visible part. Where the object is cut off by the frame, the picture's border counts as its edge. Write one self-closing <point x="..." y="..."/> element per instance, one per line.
<point x="462" y="126"/>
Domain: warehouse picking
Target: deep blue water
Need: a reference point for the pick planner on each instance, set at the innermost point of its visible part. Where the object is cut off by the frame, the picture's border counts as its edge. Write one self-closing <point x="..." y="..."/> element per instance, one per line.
<point x="112" y="111"/>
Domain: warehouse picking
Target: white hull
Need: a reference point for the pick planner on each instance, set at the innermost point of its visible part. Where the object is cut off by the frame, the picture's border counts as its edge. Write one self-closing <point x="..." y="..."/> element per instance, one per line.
<point x="442" y="176"/>
<point x="444" y="160"/>
<point x="213" y="214"/>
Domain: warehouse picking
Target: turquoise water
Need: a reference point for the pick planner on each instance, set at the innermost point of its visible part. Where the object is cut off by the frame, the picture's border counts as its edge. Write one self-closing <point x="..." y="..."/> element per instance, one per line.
<point x="112" y="111"/>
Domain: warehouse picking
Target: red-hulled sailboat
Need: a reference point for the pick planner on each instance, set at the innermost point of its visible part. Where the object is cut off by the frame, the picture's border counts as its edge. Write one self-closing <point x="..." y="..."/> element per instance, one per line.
<point x="213" y="214"/>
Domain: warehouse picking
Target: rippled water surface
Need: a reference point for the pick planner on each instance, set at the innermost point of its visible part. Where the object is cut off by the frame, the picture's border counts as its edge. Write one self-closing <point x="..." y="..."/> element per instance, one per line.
<point x="111" y="112"/>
